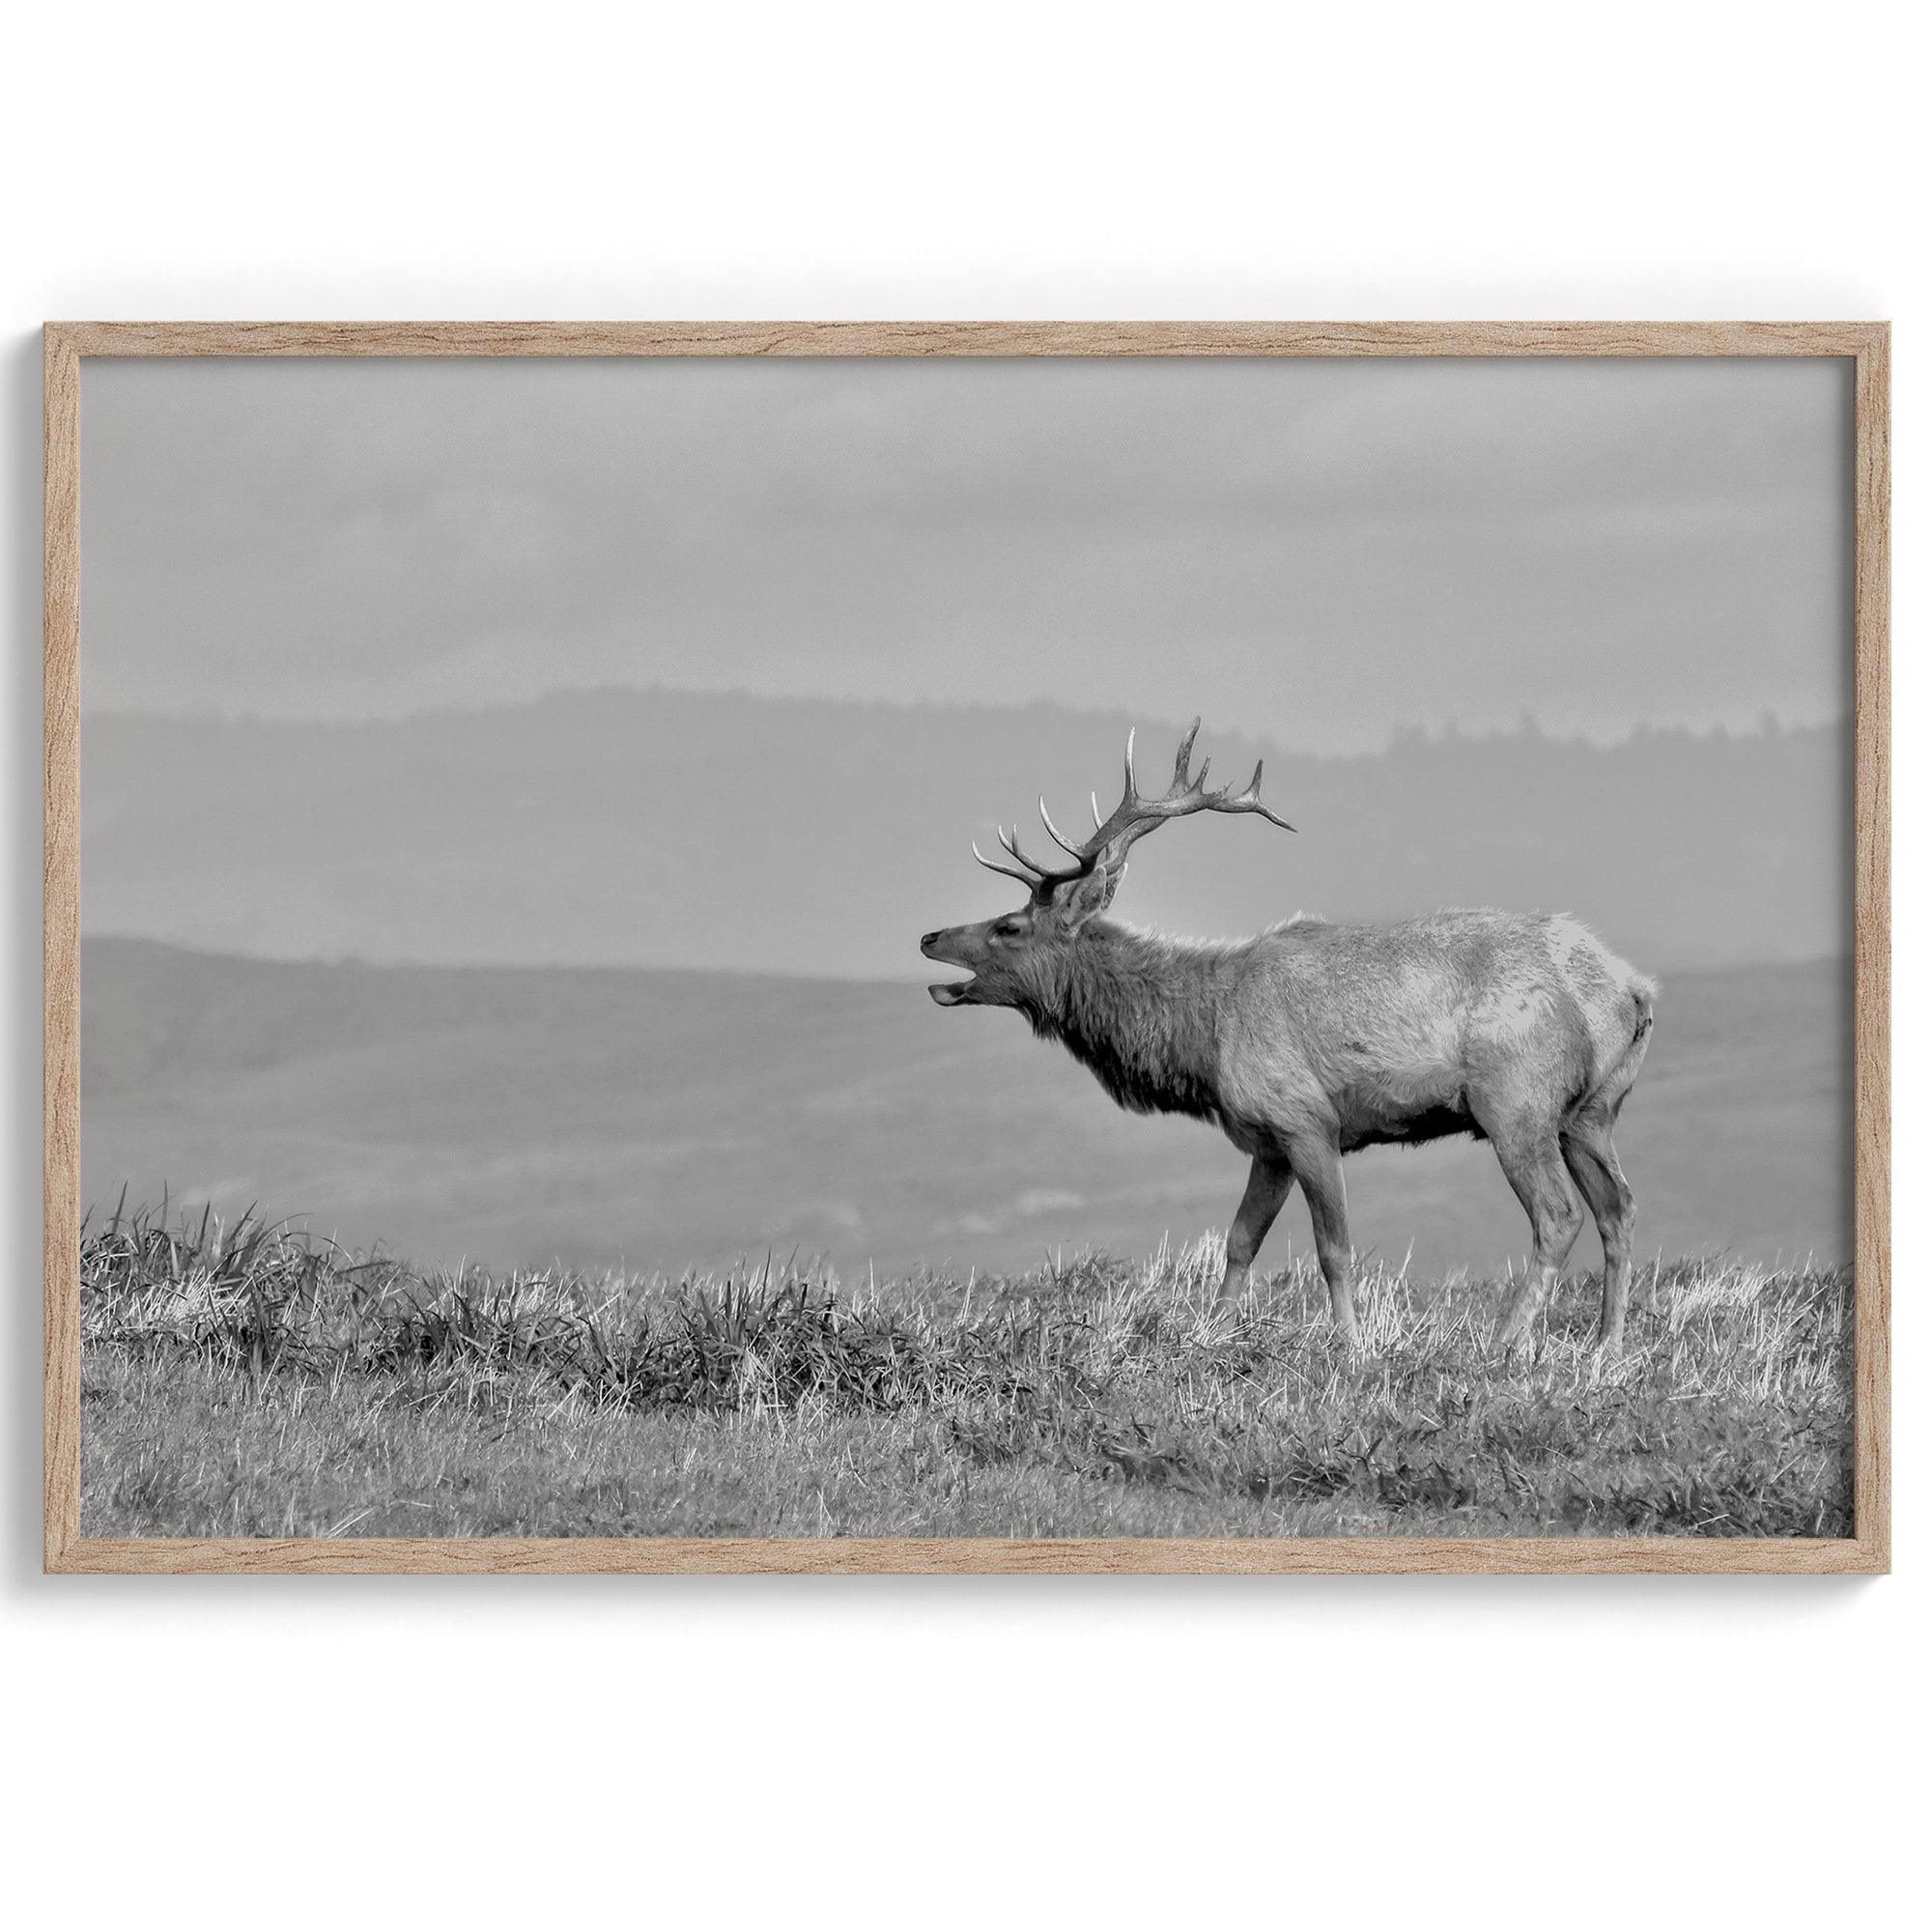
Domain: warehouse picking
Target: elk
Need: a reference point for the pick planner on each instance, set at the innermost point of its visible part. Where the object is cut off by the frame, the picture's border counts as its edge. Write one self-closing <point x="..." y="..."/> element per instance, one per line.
<point x="1312" y="1040"/>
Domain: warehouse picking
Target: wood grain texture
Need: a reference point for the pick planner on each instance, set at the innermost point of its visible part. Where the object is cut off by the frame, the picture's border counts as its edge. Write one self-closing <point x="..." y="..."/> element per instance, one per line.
<point x="1871" y="919"/>
<point x="61" y="942"/>
<point x="969" y="338"/>
<point x="1868" y="1551"/>
<point x="911" y="1555"/>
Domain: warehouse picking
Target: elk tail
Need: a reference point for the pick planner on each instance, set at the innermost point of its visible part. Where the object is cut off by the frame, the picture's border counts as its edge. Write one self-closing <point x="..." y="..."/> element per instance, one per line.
<point x="1643" y="1002"/>
<point x="1615" y="1081"/>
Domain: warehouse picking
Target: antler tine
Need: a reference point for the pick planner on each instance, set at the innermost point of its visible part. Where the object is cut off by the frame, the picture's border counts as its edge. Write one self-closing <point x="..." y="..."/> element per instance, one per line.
<point x="1007" y="871"/>
<point x="1094" y="799"/>
<point x="1184" y="757"/>
<point x="1012" y="841"/>
<point x="1250" y="800"/>
<point x="1060" y="837"/>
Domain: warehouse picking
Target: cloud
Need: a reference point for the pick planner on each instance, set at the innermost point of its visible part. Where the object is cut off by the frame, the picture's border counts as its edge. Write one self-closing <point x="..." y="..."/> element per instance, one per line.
<point x="1328" y="548"/>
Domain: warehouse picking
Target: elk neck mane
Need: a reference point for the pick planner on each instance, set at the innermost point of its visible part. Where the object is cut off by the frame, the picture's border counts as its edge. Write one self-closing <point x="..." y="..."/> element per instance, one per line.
<point x="1139" y="1010"/>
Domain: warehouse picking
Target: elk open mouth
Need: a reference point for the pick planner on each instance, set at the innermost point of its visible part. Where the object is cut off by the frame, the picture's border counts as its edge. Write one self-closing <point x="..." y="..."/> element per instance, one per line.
<point x="937" y="946"/>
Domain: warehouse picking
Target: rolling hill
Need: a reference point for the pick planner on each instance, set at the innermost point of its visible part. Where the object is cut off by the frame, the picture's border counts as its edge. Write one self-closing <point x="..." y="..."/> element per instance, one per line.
<point x="665" y="1117"/>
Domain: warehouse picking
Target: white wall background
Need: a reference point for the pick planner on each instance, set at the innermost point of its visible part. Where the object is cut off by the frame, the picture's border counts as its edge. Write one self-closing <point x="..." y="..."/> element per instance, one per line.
<point x="1444" y="1752"/>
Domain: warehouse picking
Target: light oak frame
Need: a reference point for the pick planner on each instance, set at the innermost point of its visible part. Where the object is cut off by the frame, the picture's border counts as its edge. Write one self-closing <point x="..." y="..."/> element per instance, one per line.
<point x="1867" y="344"/>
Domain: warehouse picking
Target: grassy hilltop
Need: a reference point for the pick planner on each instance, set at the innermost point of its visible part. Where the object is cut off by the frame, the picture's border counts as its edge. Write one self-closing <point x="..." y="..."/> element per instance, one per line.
<point x="248" y="1382"/>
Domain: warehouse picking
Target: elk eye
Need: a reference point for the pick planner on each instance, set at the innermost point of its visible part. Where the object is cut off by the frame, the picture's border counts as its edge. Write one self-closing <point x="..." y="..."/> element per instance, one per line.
<point x="1007" y="929"/>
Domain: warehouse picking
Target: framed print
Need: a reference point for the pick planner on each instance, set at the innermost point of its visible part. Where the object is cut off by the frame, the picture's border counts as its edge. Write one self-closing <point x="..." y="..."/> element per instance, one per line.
<point x="967" y="947"/>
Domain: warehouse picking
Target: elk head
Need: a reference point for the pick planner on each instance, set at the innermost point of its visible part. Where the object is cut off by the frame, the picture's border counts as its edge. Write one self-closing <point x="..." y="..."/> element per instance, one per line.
<point x="1008" y="957"/>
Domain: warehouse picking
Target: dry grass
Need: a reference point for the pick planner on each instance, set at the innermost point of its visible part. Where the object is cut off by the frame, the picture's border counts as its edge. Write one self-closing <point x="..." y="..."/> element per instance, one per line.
<point x="249" y="1381"/>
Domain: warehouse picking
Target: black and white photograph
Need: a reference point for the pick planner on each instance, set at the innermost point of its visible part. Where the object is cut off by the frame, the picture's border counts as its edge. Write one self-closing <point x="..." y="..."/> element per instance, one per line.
<point x="1231" y="946"/>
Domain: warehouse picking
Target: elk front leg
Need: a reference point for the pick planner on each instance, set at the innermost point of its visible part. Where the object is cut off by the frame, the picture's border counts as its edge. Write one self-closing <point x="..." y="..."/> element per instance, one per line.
<point x="1268" y="1186"/>
<point x="1319" y="1166"/>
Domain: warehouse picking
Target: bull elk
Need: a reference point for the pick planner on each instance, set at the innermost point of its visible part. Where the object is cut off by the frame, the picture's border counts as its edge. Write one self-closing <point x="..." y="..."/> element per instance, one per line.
<point x="1313" y="1039"/>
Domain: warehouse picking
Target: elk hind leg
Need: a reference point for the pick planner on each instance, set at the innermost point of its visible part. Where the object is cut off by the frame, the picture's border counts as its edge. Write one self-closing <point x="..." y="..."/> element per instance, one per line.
<point x="1533" y="1166"/>
<point x="1592" y="1161"/>
<point x="1268" y="1185"/>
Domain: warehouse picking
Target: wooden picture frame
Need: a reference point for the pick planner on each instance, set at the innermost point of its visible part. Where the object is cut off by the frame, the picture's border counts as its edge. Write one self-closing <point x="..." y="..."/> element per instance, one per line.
<point x="68" y="346"/>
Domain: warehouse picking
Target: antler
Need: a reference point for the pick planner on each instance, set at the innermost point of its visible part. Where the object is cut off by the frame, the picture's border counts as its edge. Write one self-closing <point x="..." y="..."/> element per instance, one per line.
<point x="1135" y="817"/>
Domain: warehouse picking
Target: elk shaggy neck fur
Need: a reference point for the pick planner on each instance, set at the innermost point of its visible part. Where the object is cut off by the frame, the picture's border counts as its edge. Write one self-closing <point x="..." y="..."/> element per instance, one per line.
<point x="1139" y="1009"/>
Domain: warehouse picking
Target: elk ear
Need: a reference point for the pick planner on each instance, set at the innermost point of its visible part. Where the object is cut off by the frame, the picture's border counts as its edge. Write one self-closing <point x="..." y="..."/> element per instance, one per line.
<point x="1082" y="900"/>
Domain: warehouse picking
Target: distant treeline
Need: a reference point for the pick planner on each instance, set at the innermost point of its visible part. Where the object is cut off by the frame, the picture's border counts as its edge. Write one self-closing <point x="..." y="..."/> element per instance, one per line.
<point x="665" y="828"/>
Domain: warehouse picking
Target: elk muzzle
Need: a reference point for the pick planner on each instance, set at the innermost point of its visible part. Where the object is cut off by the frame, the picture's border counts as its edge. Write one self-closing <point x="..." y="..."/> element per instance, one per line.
<point x="951" y="948"/>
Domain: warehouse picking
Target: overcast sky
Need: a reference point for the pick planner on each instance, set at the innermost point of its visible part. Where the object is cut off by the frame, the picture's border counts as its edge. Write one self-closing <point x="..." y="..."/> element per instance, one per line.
<point x="1317" y="551"/>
